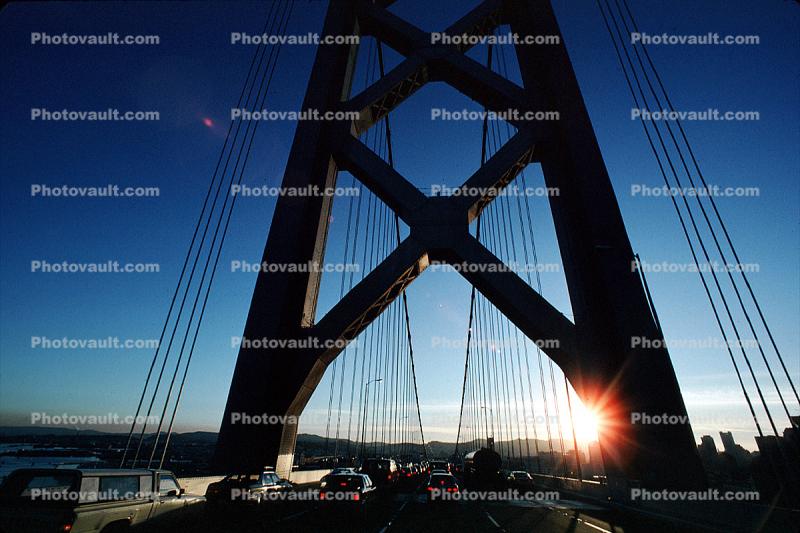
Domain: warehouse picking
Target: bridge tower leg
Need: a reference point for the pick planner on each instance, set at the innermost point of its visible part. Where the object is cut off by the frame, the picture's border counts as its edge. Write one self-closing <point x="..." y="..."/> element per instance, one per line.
<point x="600" y="352"/>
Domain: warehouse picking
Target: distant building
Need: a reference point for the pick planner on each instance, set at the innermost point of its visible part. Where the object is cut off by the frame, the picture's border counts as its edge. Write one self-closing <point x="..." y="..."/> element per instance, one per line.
<point x="595" y="460"/>
<point x="708" y="452"/>
<point x="776" y="470"/>
<point x="740" y="456"/>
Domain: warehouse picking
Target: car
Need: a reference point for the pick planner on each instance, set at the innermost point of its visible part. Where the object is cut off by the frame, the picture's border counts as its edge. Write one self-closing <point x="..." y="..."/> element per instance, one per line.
<point x="382" y="471"/>
<point x="342" y="470"/>
<point x="439" y="465"/>
<point x="439" y="484"/>
<point x="520" y="479"/>
<point x="338" y="471"/>
<point x="246" y="487"/>
<point x="409" y="477"/>
<point x="88" y="500"/>
<point x="347" y="488"/>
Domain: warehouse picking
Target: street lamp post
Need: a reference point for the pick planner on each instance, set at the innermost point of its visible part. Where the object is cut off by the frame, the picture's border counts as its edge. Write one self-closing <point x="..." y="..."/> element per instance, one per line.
<point x="364" y="424"/>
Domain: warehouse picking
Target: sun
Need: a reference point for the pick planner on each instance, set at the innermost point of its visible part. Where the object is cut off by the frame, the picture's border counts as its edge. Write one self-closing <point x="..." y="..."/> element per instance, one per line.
<point x="586" y="423"/>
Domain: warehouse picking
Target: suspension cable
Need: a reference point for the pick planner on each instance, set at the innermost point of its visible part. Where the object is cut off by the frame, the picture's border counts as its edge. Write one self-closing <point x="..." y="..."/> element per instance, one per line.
<point x="682" y="222"/>
<point x="715" y="209"/>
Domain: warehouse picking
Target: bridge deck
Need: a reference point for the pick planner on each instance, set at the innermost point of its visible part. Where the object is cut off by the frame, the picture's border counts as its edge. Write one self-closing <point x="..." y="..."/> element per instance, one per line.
<point x="404" y="512"/>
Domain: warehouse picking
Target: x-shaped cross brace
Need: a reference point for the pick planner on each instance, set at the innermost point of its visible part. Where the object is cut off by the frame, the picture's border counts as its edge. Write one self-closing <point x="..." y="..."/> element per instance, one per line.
<point x="439" y="226"/>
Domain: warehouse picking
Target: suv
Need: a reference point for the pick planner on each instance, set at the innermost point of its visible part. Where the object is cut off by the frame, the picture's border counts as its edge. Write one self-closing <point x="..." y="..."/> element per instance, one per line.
<point x="36" y="500"/>
<point x="246" y="487"/>
<point x="381" y="471"/>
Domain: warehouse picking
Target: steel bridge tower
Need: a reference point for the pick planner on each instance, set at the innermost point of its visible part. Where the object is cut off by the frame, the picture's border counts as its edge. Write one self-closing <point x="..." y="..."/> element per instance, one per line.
<point x="609" y="303"/>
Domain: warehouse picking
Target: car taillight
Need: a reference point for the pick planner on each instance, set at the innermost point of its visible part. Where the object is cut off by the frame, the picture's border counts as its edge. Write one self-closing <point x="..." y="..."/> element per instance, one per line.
<point x="322" y="495"/>
<point x="356" y="496"/>
<point x="452" y="489"/>
<point x="408" y="475"/>
<point x="430" y="488"/>
<point x="67" y="523"/>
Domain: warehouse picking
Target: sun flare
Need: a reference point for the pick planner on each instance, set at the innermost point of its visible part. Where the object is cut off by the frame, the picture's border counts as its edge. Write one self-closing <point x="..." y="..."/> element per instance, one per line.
<point x="586" y="422"/>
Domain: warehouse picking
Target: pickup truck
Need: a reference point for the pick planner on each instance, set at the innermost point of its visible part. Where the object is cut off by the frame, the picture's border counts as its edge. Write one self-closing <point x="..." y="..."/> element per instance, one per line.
<point x="34" y="500"/>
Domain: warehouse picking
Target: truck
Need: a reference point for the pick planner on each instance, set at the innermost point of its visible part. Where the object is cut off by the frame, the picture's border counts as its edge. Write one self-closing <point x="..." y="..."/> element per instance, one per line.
<point x="67" y="500"/>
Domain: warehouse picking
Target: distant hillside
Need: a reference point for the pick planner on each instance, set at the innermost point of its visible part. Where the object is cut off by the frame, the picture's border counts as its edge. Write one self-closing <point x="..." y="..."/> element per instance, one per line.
<point x="315" y="446"/>
<point x="308" y="445"/>
<point x="25" y="431"/>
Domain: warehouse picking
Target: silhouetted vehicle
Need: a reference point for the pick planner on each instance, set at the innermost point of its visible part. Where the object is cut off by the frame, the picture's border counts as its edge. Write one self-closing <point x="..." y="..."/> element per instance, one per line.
<point x="246" y="487"/>
<point x="382" y="472"/>
<point x="336" y="472"/>
<point x="439" y="485"/>
<point x="520" y="479"/>
<point x="342" y="470"/>
<point x="347" y="488"/>
<point x="482" y="469"/>
<point x="34" y="500"/>
<point x="439" y="465"/>
<point x="409" y="477"/>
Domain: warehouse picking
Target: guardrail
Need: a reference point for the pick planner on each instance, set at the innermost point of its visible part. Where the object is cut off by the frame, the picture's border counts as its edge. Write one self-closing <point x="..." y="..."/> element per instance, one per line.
<point x="198" y="485"/>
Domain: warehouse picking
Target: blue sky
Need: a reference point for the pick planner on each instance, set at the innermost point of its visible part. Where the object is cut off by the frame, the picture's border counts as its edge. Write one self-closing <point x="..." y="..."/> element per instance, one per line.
<point x="195" y="73"/>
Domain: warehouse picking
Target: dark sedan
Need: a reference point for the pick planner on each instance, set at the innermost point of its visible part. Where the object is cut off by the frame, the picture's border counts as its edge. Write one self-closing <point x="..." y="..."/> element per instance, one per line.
<point x="351" y="488"/>
<point x="246" y="487"/>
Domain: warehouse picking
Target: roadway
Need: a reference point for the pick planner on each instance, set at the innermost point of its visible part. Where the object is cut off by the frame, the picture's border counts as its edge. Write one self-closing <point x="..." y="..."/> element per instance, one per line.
<point x="409" y="512"/>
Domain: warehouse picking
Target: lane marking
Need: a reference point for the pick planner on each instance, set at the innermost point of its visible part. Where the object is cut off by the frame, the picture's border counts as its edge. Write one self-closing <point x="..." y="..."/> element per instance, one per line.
<point x="393" y="517"/>
<point x="295" y="515"/>
<point x="498" y="526"/>
<point x="581" y="520"/>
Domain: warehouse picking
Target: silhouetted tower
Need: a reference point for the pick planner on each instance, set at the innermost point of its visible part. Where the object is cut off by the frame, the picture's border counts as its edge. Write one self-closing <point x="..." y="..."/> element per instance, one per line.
<point x="596" y="351"/>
